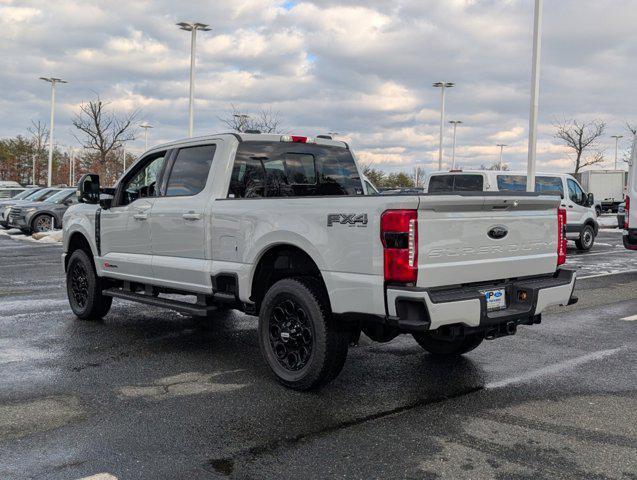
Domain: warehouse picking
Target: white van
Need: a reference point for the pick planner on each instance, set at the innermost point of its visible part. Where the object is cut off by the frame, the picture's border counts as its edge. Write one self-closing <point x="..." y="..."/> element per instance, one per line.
<point x="581" y="219"/>
<point x="630" y="215"/>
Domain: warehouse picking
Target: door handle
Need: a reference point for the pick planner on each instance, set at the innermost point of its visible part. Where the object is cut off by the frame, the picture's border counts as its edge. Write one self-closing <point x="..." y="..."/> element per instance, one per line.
<point x="140" y="216"/>
<point x="191" y="216"/>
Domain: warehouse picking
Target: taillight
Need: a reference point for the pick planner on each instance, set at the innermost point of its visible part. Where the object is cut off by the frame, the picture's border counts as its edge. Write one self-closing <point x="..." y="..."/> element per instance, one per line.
<point x="561" y="236"/>
<point x="627" y="213"/>
<point x="399" y="234"/>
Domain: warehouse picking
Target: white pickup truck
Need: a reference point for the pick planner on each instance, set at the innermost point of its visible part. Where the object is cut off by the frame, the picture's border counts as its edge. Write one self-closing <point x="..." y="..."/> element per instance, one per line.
<point x="282" y="227"/>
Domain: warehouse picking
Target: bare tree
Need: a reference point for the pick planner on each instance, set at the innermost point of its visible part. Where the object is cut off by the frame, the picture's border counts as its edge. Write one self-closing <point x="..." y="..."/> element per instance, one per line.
<point x="496" y="166"/>
<point x="631" y="128"/>
<point x="104" y="131"/>
<point x="264" y="120"/>
<point x="39" y="133"/>
<point x="581" y="137"/>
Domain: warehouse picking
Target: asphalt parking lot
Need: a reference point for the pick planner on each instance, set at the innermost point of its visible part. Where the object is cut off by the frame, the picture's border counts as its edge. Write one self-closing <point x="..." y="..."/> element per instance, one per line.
<point x="153" y="394"/>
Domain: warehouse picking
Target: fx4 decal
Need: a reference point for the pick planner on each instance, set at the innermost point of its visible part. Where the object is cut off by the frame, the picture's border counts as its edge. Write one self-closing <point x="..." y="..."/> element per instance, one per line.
<point x="350" y="219"/>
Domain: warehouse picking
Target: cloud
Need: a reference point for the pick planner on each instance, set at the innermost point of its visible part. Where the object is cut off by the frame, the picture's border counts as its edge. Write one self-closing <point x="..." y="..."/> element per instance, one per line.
<point x="362" y="68"/>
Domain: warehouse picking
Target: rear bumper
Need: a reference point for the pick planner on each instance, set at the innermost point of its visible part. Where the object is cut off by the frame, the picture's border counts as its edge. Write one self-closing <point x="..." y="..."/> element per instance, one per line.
<point x="414" y="309"/>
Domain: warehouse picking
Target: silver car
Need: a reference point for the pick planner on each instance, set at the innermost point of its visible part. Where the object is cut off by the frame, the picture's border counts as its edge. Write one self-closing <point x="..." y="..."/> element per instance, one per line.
<point x="42" y="216"/>
<point x="35" y="194"/>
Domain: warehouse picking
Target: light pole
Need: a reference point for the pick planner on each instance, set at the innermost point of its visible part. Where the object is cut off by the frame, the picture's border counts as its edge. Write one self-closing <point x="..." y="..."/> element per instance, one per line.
<point x="535" y="94"/>
<point x="52" y="81"/>
<point x="124" y="154"/>
<point x="145" y="126"/>
<point x="455" y="124"/>
<point x="192" y="27"/>
<point x="501" y="145"/>
<point x="616" y="137"/>
<point x="443" y="86"/>
<point x="242" y="120"/>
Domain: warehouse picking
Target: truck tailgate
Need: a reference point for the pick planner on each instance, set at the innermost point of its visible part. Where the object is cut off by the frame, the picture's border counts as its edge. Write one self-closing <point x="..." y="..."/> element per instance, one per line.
<point x="465" y="239"/>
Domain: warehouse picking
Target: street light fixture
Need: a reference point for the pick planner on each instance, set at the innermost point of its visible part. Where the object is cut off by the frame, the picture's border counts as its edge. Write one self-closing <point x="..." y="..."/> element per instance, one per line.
<point x="52" y="81"/>
<point x="455" y="124"/>
<point x="616" y="137"/>
<point x="442" y="86"/>
<point x="501" y="145"/>
<point x="192" y="27"/>
<point x="145" y="126"/>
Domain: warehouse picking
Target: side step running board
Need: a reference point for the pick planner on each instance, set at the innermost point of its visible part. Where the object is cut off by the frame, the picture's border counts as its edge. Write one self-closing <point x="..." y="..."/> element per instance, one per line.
<point x="194" y="309"/>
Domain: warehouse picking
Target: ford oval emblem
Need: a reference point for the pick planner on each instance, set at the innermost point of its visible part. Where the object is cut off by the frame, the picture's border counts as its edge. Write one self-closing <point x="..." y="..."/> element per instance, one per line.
<point x="497" y="232"/>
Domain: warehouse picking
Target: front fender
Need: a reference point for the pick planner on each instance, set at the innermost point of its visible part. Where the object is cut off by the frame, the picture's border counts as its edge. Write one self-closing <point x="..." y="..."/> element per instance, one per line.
<point x="79" y="219"/>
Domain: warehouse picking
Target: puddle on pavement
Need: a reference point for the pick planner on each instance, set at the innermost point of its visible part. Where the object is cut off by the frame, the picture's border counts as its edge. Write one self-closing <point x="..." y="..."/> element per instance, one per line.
<point x="189" y="383"/>
<point x="20" y="419"/>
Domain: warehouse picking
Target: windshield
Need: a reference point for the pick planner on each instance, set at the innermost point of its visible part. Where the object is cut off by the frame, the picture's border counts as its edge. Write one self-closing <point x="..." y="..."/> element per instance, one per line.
<point x="59" y="196"/>
<point x="42" y="194"/>
<point x="26" y="195"/>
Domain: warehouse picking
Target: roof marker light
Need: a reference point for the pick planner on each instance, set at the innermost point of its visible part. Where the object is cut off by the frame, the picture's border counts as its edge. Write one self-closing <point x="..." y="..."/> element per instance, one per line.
<point x="296" y="139"/>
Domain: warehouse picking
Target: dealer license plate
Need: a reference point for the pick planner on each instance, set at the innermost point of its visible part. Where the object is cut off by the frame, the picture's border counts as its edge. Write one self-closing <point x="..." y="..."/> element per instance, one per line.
<point x="496" y="299"/>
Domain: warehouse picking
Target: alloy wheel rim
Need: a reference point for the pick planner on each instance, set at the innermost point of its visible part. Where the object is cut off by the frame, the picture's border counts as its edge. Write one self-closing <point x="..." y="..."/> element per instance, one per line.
<point x="79" y="284"/>
<point x="44" y="224"/>
<point x="290" y="335"/>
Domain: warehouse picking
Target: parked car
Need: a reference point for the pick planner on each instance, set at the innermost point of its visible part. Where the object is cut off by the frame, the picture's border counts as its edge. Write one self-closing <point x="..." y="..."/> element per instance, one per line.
<point x="581" y="223"/>
<point x="10" y="192"/>
<point x="24" y="195"/>
<point x="39" y="195"/>
<point x="279" y="226"/>
<point x="42" y="216"/>
<point x="9" y="184"/>
<point x="630" y="207"/>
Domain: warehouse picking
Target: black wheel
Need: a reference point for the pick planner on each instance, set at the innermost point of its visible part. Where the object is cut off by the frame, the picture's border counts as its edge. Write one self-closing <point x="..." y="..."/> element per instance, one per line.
<point x="431" y="342"/>
<point x="586" y="238"/>
<point x="303" y="346"/>
<point x="598" y="210"/>
<point x="43" y="223"/>
<point x="83" y="288"/>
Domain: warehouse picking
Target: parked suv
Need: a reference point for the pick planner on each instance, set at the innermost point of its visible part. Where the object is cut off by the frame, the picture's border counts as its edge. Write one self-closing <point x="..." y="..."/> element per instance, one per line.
<point x="581" y="217"/>
<point x="279" y="226"/>
<point x="42" y="216"/>
<point x="38" y="195"/>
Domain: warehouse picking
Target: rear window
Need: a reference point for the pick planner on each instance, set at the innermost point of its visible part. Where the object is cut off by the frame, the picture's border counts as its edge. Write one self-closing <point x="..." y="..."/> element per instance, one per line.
<point x="543" y="184"/>
<point x="456" y="183"/>
<point x="279" y="169"/>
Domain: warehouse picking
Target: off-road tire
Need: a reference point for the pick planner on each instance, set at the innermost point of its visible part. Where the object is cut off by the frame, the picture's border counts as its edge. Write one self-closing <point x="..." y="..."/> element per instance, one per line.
<point x="329" y="338"/>
<point x="83" y="288"/>
<point x="447" y="348"/>
<point x="586" y="239"/>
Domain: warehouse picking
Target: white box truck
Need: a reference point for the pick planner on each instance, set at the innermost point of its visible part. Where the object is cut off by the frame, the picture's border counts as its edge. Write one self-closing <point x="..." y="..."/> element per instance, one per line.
<point x="608" y="186"/>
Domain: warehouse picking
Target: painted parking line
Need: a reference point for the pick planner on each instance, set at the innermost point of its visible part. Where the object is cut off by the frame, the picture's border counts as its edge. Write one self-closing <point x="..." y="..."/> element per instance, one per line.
<point x="632" y="318"/>
<point x="606" y="274"/>
<point x="553" y="369"/>
<point x="100" y="476"/>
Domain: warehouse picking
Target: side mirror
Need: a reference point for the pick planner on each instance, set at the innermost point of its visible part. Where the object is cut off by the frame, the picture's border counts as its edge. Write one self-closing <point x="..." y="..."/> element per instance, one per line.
<point x="68" y="202"/>
<point x="88" y="189"/>
<point x="590" y="200"/>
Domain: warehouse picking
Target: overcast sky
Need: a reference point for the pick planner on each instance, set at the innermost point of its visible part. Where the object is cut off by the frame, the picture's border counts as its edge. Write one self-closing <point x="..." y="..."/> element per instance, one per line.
<point x="363" y="68"/>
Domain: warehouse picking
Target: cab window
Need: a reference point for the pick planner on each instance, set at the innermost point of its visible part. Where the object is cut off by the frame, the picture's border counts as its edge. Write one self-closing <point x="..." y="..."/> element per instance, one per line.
<point x="190" y="170"/>
<point x="279" y="169"/>
<point x="143" y="183"/>
<point x="456" y="183"/>
<point x="575" y="193"/>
